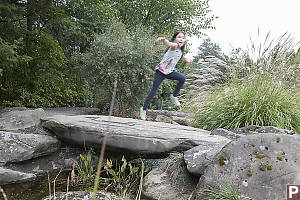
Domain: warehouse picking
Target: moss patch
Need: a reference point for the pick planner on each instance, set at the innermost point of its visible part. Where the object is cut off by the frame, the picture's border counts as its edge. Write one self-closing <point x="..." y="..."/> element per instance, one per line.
<point x="260" y="155"/>
<point x="249" y="172"/>
<point x="265" y="166"/>
<point x="279" y="158"/>
<point x="222" y="160"/>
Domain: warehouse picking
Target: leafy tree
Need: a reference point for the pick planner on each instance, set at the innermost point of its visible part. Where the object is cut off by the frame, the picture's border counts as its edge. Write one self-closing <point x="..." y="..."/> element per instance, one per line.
<point x="122" y="56"/>
<point x="208" y="48"/>
<point x="84" y="19"/>
<point x="33" y="64"/>
<point x="166" y="16"/>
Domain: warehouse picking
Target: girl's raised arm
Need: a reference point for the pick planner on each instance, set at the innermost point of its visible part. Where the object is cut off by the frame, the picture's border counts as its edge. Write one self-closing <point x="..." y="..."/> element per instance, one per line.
<point x="166" y="42"/>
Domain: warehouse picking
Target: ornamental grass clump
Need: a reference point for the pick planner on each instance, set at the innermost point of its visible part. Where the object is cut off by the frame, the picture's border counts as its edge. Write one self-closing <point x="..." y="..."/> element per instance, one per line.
<point x="258" y="101"/>
<point x="271" y="57"/>
<point x="222" y="192"/>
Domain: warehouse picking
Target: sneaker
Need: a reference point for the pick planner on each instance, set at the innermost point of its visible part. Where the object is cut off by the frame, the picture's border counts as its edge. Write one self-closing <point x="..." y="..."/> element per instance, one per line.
<point x="142" y="113"/>
<point x="175" y="100"/>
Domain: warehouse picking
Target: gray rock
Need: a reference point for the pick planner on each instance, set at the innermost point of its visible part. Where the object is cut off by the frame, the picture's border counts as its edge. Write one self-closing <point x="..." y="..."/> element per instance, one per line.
<point x="8" y="176"/>
<point x="173" y="117"/>
<point x="18" y="120"/>
<point x="198" y="158"/>
<point x="62" y="159"/>
<point x="258" y="166"/>
<point x="16" y="147"/>
<point x="272" y="129"/>
<point x="160" y="184"/>
<point x="137" y="136"/>
<point x="162" y="118"/>
<point x="226" y="133"/>
<point x="253" y="129"/>
<point x="72" y="111"/>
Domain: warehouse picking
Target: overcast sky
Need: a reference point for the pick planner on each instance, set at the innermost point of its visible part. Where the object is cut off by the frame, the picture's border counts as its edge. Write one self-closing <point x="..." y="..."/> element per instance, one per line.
<point x="240" y="19"/>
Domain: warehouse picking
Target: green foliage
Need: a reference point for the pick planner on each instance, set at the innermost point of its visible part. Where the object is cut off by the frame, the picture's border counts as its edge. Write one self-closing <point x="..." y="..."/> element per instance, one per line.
<point x="40" y="80"/>
<point x="222" y="192"/>
<point x="123" y="178"/>
<point x="259" y="101"/>
<point x="166" y="16"/>
<point x="79" y="21"/>
<point x="11" y="21"/>
<point x="84" y="167"/>
<point x="128" y="58"/>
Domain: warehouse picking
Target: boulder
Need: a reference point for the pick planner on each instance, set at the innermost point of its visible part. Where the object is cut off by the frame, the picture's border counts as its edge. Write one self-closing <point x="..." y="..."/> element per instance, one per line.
<point x="199" y="157"/>
<point x="125" y="134"/>
<point x="17" y="147"/>
<point x="8" y="176"/>
<point x="170" y="181"/>
<point x="20" y="119"/>
<point x="258" y="166"/>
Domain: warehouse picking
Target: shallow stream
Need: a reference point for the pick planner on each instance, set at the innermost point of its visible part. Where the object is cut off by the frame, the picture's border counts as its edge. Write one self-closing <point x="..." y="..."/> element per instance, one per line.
<point x="39" y="189"/>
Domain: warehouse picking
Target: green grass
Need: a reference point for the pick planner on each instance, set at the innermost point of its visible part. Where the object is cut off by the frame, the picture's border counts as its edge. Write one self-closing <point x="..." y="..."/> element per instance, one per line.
<point x="221" y="192"/>
<point x="258" y="101"/>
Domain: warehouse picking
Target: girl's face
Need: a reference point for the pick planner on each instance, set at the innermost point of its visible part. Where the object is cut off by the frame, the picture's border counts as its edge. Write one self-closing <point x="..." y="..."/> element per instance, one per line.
<point x="180" y="39"/>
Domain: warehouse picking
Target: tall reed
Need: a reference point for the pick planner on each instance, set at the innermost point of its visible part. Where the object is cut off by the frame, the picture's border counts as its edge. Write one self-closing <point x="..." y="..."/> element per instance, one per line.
<point x="269" y="58"/>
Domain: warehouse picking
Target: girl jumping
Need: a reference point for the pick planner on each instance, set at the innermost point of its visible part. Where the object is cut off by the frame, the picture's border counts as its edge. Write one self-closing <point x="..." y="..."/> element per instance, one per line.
<point x="166" y="69"/>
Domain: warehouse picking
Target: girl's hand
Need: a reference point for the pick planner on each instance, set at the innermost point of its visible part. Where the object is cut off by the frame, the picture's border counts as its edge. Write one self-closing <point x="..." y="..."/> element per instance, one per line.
<point x="188" y="60"/>
<point x="160" y="39"/>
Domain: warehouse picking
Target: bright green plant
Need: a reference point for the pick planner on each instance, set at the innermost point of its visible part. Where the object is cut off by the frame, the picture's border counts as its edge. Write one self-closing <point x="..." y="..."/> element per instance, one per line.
<point x="123" y="177"/>
<point x="259" y="101"/>
<point x="222" y="192"/>
<point x="84" y="167"/>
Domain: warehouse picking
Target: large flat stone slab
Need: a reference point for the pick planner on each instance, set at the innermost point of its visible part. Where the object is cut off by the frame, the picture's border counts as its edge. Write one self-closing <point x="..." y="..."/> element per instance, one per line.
<point x="138" y="136"/>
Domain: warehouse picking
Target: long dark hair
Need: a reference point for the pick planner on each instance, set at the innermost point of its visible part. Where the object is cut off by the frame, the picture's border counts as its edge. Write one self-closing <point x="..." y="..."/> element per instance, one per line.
<point x="173" y="38"/>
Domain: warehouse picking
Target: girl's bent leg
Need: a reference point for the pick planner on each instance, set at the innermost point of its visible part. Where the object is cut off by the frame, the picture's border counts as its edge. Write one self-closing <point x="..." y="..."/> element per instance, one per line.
<point x="158" y="78"/>
<point x="181" y="79"/>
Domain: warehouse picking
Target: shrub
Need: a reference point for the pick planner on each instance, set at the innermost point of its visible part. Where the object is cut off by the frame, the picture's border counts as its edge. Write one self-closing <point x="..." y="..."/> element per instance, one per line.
<point x="258" y="101"/>
<point x="127" y="57"/>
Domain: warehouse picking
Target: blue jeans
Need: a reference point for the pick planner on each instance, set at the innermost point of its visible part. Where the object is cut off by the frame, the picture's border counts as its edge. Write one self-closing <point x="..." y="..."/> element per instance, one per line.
<point x="158" y="78"/>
